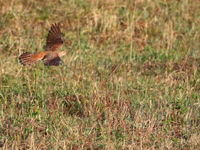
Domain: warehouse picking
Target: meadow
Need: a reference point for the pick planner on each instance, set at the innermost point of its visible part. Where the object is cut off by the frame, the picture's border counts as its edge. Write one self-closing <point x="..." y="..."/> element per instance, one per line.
<point x="130" y="79"/>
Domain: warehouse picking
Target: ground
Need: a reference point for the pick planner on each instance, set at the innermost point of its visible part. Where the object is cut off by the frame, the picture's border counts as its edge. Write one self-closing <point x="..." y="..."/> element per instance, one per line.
<point x="130" y="79"/>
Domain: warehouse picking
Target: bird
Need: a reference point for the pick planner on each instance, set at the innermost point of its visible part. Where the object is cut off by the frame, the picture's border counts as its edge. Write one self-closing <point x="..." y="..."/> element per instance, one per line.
<point x="51" y="55"/>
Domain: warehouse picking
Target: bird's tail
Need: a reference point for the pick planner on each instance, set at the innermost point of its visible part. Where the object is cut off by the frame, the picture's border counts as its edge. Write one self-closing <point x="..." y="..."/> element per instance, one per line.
<point x="29" y="58"/>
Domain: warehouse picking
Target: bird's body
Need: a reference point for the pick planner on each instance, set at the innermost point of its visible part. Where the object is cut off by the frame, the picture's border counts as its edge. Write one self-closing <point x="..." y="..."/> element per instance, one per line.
<point x="51" y="55"/>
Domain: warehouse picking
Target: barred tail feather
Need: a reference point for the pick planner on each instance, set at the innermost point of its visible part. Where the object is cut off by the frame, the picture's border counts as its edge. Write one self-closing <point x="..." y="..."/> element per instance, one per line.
<point x="29" y="58"/>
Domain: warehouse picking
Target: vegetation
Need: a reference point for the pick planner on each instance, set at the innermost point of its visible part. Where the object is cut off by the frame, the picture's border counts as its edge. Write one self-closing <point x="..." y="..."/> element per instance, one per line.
<point x="130" y="80"/>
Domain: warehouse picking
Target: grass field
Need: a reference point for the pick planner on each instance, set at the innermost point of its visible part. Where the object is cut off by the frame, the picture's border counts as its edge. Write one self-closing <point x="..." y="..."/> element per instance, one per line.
<point x="130" y="79"/>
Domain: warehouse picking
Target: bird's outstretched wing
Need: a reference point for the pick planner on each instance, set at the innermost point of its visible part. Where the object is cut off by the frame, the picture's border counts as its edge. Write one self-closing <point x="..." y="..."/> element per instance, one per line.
<point x="54" y="38"/>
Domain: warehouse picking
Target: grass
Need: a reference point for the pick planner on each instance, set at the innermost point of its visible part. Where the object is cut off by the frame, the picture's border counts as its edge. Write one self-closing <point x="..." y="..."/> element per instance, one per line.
<point x="130" y="79"/>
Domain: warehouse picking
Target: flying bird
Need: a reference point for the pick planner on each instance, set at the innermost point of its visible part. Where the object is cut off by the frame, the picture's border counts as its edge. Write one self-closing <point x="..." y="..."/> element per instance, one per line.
<point x="51" y="55"/>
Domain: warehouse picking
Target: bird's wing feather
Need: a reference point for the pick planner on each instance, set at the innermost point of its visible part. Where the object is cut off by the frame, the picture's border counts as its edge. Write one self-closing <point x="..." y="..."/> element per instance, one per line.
<point x="54" y="38"/>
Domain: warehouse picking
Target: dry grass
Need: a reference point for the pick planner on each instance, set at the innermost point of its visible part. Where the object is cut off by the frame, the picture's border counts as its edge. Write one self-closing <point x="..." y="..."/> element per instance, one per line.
<point x="130" y="79"/>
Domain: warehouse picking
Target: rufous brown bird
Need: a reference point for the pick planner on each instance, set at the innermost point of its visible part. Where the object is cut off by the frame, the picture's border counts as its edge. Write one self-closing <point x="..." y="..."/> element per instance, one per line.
<point x="51" y="55"/>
